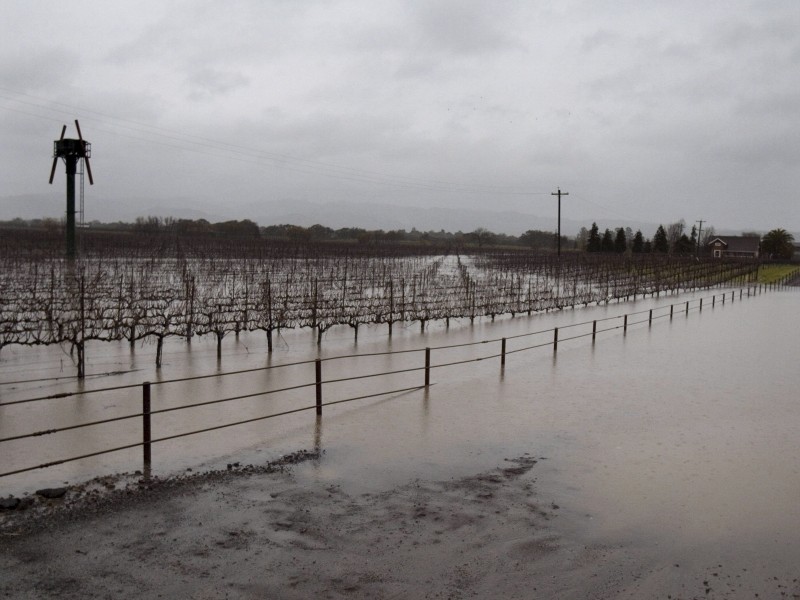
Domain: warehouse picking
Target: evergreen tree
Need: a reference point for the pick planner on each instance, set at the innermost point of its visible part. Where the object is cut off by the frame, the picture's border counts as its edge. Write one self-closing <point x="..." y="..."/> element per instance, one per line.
<point x="660" y="243"/>
<point x="594" y="243"/>
<point x="684" y="245"/>
<point x="648" y="247"/>
<point x="607" y="243"/>
<point x="638" y="243"/>
<point x="620" y="242"/>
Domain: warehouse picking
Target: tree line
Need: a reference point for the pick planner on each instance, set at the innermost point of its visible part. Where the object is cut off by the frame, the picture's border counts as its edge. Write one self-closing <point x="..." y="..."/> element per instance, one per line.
<point x="247" y="229"/>
<point x="672" y="239"/>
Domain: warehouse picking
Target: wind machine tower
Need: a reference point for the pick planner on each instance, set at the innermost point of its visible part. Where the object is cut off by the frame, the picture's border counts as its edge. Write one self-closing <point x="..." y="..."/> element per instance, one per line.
<point x="72" y="151"/>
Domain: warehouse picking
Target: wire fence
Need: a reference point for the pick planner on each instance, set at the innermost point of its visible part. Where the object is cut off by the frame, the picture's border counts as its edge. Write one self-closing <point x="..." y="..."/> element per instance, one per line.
<point x="425" y="366"/>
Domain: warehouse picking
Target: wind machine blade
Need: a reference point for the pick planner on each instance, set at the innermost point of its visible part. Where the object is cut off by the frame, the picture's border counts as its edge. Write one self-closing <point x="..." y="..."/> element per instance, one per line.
<point x="55" y="158"/>
<point x="88" y="170"/>
<point x="53" y="170"/>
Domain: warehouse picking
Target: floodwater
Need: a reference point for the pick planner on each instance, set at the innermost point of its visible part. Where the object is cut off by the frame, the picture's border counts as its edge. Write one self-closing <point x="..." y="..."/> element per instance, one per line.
<point x="679" y="438"/>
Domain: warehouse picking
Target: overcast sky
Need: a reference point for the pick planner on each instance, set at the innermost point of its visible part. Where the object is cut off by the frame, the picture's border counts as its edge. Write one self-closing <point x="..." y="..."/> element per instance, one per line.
<point x="645" y="110"/>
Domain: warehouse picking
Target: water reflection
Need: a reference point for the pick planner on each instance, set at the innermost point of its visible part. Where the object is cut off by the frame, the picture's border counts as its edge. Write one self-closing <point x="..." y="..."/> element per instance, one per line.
<point x="318" y="436"/>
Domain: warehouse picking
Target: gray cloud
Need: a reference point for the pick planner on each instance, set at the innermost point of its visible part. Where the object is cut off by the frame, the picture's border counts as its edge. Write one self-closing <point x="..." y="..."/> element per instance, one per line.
<point x="474" y="29"/>
<point x="207" y="82"/>
<point x="33" y="72"/>
<point x="652" y="109"/>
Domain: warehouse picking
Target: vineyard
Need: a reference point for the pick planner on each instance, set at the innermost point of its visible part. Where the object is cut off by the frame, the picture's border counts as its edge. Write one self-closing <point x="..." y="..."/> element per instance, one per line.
<point x="151" y="291"/>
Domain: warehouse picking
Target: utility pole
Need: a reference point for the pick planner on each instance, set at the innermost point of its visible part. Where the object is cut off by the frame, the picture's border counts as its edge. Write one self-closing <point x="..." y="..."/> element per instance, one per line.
<point x="559" y="193"/>
<point x="697" y="249"/>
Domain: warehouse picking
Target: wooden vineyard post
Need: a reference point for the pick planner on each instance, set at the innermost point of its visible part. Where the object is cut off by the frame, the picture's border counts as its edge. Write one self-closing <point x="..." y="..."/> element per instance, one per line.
<point x="427" y="367"/>
<point x="391" y="306"/>
<point x="650" y="318"/>
<point x="318" y="370"/>
<point x="625" y="324"/>
<point x="503" y="352"/>
<point x="555" y="340"/>
<point x="82" y="344"/>
<point x="146" y="431"/>
<point x="594" y="330"/>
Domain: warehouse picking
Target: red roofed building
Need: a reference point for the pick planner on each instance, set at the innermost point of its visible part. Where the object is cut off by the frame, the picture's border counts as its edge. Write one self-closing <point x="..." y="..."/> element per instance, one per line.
<point x="732" y="246"/>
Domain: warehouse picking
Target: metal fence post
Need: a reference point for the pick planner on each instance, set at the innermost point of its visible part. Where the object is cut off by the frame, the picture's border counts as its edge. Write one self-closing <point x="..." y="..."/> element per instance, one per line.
<point x="427" y="367"/>
<point x="318" y="368"/>
<point x="146" y="431"/>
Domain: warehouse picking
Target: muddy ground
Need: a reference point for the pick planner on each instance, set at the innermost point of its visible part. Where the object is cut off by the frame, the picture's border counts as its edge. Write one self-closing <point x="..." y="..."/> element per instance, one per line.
<point x="255" y="532"/>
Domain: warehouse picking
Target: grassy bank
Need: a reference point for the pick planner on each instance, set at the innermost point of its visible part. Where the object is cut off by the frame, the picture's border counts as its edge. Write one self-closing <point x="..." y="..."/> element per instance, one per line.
<point x="773" y="273"/>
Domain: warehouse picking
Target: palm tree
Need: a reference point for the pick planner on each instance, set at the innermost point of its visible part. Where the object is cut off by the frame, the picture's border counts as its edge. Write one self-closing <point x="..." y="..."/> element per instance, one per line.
<point x="778" y="243"/>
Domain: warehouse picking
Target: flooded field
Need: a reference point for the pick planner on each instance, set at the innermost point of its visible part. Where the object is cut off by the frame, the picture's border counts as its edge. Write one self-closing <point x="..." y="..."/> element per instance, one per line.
<point x="677" y="440"/>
